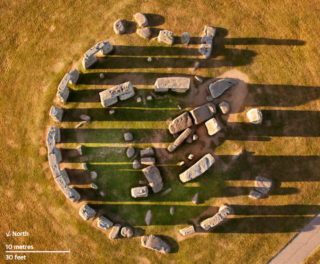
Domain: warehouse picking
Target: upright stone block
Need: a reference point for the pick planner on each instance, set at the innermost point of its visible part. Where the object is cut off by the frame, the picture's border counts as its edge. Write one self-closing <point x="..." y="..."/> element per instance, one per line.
<point x="56" y="113"/>
<point x="74" y="76"/>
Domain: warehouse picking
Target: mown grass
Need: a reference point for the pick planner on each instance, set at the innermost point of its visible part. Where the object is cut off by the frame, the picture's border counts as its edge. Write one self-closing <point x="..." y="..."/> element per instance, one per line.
<point x="41" y="41"/>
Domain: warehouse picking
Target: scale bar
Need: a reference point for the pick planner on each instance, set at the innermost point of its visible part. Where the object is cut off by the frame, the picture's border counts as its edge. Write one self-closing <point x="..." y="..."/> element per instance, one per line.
<point x="38" y="251"/>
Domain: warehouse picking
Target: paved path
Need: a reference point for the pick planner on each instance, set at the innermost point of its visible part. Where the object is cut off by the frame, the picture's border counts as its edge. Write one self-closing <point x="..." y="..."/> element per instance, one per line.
<point x="301" y="246"/>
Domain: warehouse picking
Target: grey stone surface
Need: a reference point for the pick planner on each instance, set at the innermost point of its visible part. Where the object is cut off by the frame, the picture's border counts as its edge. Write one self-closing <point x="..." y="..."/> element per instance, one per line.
<point x="103" y="194"/>
<point x="181" y="163"/>
<point x="130" y="152"/>
<point x="75" y="196"/>
<point x="111" y="112"/>
<point x="195" y="198"/>
<point x="81" y="124"/>
<point x="198" y="168"/>
<point x="219" y="87"/>
<point x="199" y="79"/>
<point x="106" y="49"/>
<point x="74" y="76"/>
<point x="153" y="176"/>
<point x="128" y="136"/>
<point x="262" y="185"/>
<point x="224" y="211"/>
<point x="139" y="100"/>
<point x="166" y="36"/>
<point x="209" y="98"/>
<point x="56" y="113"/>
<point x="79" y="150"/>
<point x="195" y="137"/>
<point x="138" y="192"/>
<point x="171" y="210"/>
<point x="115" y="231"/>
<point x="196" y="66"/>
<point x="86" y="212"/>
<point x="148" y="161"/>
<point x="149" y="59"/>
<point x="255" y="195"/>
<point x="94" y="186"/>
<point x="185" y="38"/>
<point x="176" y="84"/>
<point x="122" y="91"/>
<point x="101" y="75"/>
<point x="136" y="164"/>
<point x="224" y="107"/>
<point x="126" y="231"/>
<point x="85" y="118"/>
<point x="65" y="176"/>
<point x="63" y="95"/>
<point x="141" y="19"/>
<point x="213" y="126"/>
<point x="187" y="230"/>
<point x="54" y="165"/>
<point x="148" y="217"/>
<point x="63" y="91"/>
<point x="255" y="116"/>
<point x="146" y="152"/>
<point x="143" y="182"/>
<point x="206" y="41"/>
<point x="94" y="49"/>
<point x="190" y="157"/>
<point x="118" y="27"/>
<point x="167" y="191"/>
<point x="149" y="98"/>
<point x="63" y="186"/>
<point x="104" y="223"/>
<point x="180" y="123"/>
<point x="203" y="113"/>
<point x="93" y="175"/>
<point x="179" y="140"/>
<point x="84" y="166"/>
<point x="209" y="31"/>
<point x="155" y="243"/>
<point x="144" y="32"/>
<point x="87" y="62"/>
<point x="205" y="50"/>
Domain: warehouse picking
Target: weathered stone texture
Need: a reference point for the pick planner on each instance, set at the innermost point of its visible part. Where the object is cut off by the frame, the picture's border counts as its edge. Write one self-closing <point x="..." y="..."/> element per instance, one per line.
<point x="144" y="32"/>
<point x="213" y="126"/>
<point x="74" y="76"/>
<point x="262" y="185"/>
<point x="104" y="223"/>
<point x="195" y="199"/>
<point x="65" y="176"/>
<point x="148" y="217"/>
<point x="255" y="116"/>
<point x="110" y="96"/>
<point x="219" y="87"/>
<point x="154" y="178"/>
<point x="89" y="61"/>
<point x="180" y="123"/>
<point x="146" y="152"/>
<point x="166" y="36"/>
<point x="255" y="195"/>
<point x="86" y="212"/>
<point x="224" y="211"/>
<point x="115" y="231"/>
<point x="206" y="41"/>
<point x="56" y="113"/>
<point x="118" y="27"/>
<point x="176" y="84"/>
<point x="54" y="165"/>
<point x="126" y="231"/>
<point x="128" y="136"/>
<point x="187" y="230"/>
<point x="155" y="243"/>
<point x="130" y="152"/>
<point x="138" y="192"/>
<point x="224" y="107"/>
<point x="136" y="164"/>
<point x="141" y="19"/>
<point x="203" y="113"/>
<point x="180" y="140"/>
<point x="185" y="38"/>
<point x="148" y="161"/>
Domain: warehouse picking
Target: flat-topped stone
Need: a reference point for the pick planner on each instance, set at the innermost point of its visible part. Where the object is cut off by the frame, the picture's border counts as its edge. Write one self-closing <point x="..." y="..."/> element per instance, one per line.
<point x="86" y="212"/>
<point x="219" y="87"/>
<point x="65" y="176"/>
<point x="185" y="38"/>
<point x="126" y="231"/>
<point x="85" y="118"/>
<point x="138" y="192"/>
<point x="166" y="36"/>
<point x="115" y="231"/>
<point x="87" y="62"/>
<point x="63" y="92"/>
<point x="130" y="152"/>
<point x="148" y="217"/>
<point x="213" y="126"/>
<point x="106" y="49"/>
<point x="203" y="113"/>
<point x="144" y="32"/>
<point x="224" y="211"/>
<point x="118" y="27"/>
<point x="54" y="165"/>
<point x="155" y="243"/>
<point x="110" y="96"/>
<point x="141" y="19"/>
<point x="207" y="41"/>
<point x="93" y="175"/>
<point x="198" y="168"/>
<point x="224" y="107"/>
<point x="262" y="185"/>
<point x="179" y="140"/>
<point x="176" y="84"/>
<point x="171" y="210"/>
<point x="56" y="113"/>
<point x="154" y="178"/>
<point x="136" y="164"/>
<point x="255" y="116"/>
<point x="205" y="50"/>
<point x="104" y="223"/>
<point x="63" y="95"/>
<point x="74" y="76"/>
<point x="195" y="199"/>
<point x="187" y="230"/>
<point x="63" y="186"/>
<point x="128" y="136"/>
<point x="209" y="31"/>
<point x="146" y="152"/>
<point x="75" y="195"/>
<point x="255" y="195"/>
<point x="148" y="161"/>
<point x="180" y="123"/>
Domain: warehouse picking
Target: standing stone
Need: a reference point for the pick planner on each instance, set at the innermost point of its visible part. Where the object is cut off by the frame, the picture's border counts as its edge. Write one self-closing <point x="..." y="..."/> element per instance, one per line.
<point x="101" y="75"/>
<point x="104" y="223"/>
<point x="179" y="140"/>
<point x="190" y="157"/>
<point x="118" y="27"/>
<point x="149" y="59"/>
<point x="154" y="178"/>
<point x="198" y="168"/>
<point x="148" y="161"/>
<point x="144" y="32"/>
<point x="130" y="152"/>
<point x="122" y="91"/>
<point x="128" y="136"/>
<point x="138" y="99"/>
<point x="84" y="166"/>
<point x="65" y="176"/>
<point x="195" y="137"/>
<point x="176" y="84"/>
<point x="219" y="87"/>
<point x="180" y="123"/>
<point x="93" y="175"/>
<point x="79" y="150"/>
<point x="262" y="185"/>
<point x="106" y="49"/>
<point x="149" y="98"/>
<point x="74" y="76"/>
<point x="136" y="164"/>
<point x="171" y="210"/>
<point x="138" y="192"/>
<point x="56" y="113"/>
<point x="146" y="152"/>
<point x="155" y="243"/>
<point x="85" y="118"/>
<point x="255" y="195"/>
<point x="103" y="194"/>
<point x="237" y="155"/>
<point x="185" y="38"/>
<point x="209" y="98"/>
<point x="196" y="66"/>
<point x="195" y="198"/>
<point x="94" y="186"/>
<point x="166" y="36"/>
<point x="203" y="113"/>
<point x="141" y="19"/>
<point x="187" y="230"/>
<point x="179" y="107"/>
<point x="148" y="217"/>
<point x="115" y="231"/>
<point x="126" y="231"/>
<point x="86" y="212"/>
<point x="88" y="61"/>
<point x="255" y="116"/>
<point x="224" y="107"/>
<point x="212" y="126"/>
<point x="206" y="41"/>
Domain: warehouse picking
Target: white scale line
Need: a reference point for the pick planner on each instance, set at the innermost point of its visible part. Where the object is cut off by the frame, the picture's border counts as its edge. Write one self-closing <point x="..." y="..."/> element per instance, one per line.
<point x="38" y="251"/>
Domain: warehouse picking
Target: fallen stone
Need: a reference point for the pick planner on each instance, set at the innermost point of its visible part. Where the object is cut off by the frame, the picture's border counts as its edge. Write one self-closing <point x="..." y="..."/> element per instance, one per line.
<point x="179" y="140"/>
<point x="101" y="75"/>
<point x="126" y="231"/>
<point x="195" y="137"/>
<point x="181" y="163"/>
<point x="224" y="107"/>
<point x="212" y="126"/>
<point x="209" y="98"/>
<point x="196" y="66"/>
<point x="190" y="157"/>
<point x="148" y="217"/>
<point x="153" y="176"/>
<point x="219" y="87"/>
<point x="141" y="19"/>
<point x="81" y="124"/>
<point x="128" y="136"/>
<point x="149" y="98"/>
<point x="74" y="76"/>
<point x="138" y="192"/>
<point x="84" y="166"/>
<point x="198" y="168"/>
<point x="203" y="113"/>
<point x="118" y="27"/>
<point x="122" y="91"/>
<point x="65" y="176"/>
<point x="255" y="116"/>
<point x="195" y="198"/>
<point x="102" y="193"/>
<point x="149" y="59"/>
<point x="144" y="32"/>
<point x="179" y="107"/>
<point x="104" y="223"/>
<point x="166" y="36"/>
<point x="176" y="84"/>
<point x="93" y="175"/>
<point x="79" y="150"/>
<point x="56" y="113"/>
<point x="262" y="185"/>
<point x="115" y="231"/>
<point x="136" y="164"/>
<point x="111" y="112"/>
<point x="86" y="212"/>
<point x="138" y="99"/>
<point x="130" y="152"/>
<point x="167" y="191"/>
<point x="224" y="211"/>
<point x="198" y="79"/>
<point x="171" y="210"/>
<point x="205" y="50"/>
<point x="180" y="123"/>
<point x="143" y="182"/>
<point x="148" y="161"/>
<point x="94" y="186"/>
<point x="185" y="38"/>
<point x="146" y="152"/>
<point x="155" y="243"/>
<point x="85" y="118"/>
<point x="187" y="230"/>
<point x="255" y="195"/>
